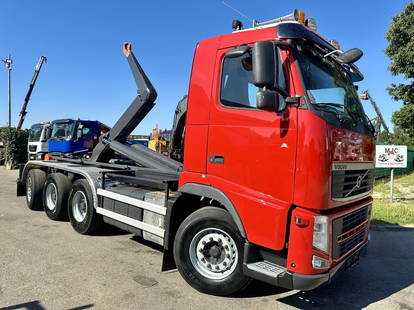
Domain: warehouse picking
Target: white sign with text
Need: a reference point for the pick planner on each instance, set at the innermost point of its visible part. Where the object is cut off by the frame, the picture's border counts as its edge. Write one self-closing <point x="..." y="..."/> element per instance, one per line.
<point x="391" y="156"/>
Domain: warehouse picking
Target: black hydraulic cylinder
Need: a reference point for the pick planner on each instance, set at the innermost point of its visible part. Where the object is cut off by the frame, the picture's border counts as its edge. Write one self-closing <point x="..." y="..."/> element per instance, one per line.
<point x="139" y="157"/>
<point x="169" y="163"/>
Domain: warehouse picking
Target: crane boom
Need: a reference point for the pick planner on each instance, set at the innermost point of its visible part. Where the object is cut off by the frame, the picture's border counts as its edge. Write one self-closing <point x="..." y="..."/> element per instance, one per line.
<point x="23" y="112"/>
<point x="366" y="96"/>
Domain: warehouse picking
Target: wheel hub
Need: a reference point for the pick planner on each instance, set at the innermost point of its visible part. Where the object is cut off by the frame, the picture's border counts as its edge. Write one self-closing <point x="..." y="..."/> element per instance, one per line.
<point x="79" y="206"/>
<point x="51" y="196"/>
<point x="213" y="253"/>
<point x="29" y="189"/>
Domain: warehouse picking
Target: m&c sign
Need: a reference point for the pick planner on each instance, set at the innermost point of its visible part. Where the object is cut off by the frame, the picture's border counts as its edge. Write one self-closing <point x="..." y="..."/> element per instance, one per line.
<point x="391" y="156"/>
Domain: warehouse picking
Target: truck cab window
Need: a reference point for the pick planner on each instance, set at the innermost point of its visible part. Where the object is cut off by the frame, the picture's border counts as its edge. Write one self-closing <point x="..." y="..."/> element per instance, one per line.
<point x="237" y="89"/>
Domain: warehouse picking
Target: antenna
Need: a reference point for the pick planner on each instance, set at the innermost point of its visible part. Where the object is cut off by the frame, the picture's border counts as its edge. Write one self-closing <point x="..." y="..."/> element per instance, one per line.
<point x="238" y="12"/>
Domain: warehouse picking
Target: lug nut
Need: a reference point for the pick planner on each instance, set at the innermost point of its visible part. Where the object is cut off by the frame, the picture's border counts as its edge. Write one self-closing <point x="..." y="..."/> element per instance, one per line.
<point x="209" y="266"/>
<point x="228" y="255"/>
<point x="217" y="267"/>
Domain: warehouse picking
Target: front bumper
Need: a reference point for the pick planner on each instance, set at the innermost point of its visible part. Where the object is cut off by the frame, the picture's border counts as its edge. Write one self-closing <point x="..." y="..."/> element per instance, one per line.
<point x="297" y="281"/>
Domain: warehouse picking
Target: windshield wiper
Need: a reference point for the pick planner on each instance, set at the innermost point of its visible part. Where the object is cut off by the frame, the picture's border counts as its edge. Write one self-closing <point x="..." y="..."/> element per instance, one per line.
<point x="338" y="105"/>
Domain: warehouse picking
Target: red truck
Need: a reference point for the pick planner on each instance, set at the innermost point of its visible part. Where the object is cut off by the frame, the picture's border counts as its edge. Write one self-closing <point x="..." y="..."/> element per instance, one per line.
<point x="270" y="171"/>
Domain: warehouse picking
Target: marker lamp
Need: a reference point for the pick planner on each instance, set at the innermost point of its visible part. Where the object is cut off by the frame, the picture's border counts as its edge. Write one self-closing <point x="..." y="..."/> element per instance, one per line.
<point x="299" y="16"/>
<point x="319" y="262"/>
<point x="320" y="233"/>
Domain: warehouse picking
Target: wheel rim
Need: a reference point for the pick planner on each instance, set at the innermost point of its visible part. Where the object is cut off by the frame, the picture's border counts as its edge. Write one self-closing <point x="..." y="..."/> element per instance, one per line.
<point x="51" y="196"/>
<point x="213" y="253"/>
<point x="79" y="206"/>
<point x="29" y="189"/>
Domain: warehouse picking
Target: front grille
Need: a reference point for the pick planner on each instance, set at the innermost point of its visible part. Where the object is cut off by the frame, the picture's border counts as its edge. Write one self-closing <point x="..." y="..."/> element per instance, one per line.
<point x="354" y="219"/>
<point x="351" y="181"/>
<point x="351" y="243"/>
<point x="32" y="148"/>
<point x="349" y="231"/>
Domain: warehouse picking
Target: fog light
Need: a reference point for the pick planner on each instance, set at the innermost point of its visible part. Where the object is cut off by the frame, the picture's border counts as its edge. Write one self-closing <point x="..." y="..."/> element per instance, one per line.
<point x="319" y="262"/>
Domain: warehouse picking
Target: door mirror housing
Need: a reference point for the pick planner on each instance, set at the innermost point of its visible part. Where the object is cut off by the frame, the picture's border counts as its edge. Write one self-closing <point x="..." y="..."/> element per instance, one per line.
<point x="79" y="132"/>
<point x="269" y="100"/>
<point x="264" y="64"/>
<point x="350" y="56"/>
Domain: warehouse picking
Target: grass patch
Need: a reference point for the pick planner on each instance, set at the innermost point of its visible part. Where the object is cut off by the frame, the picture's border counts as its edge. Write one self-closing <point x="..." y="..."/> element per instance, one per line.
<point x="401" y="211"/>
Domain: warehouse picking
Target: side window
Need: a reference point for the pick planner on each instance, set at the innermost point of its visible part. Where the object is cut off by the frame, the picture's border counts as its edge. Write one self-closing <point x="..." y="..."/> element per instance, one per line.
<point x="237" y="89"/>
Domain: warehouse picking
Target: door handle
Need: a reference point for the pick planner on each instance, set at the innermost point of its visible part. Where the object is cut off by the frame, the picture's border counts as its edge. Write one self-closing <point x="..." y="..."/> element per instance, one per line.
<point x="216" y="159"/>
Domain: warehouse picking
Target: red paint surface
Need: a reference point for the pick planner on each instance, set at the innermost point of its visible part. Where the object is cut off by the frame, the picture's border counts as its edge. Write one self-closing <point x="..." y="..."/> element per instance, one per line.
<point x="272" y="161"/>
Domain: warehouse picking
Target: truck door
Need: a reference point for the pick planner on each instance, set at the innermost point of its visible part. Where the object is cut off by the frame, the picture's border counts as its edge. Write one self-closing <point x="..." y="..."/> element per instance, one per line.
<point x="251" y="152"/>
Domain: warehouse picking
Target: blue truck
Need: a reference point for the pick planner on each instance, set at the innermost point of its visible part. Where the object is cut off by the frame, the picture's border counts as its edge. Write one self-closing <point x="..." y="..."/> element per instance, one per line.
<point x="74" y="137"/>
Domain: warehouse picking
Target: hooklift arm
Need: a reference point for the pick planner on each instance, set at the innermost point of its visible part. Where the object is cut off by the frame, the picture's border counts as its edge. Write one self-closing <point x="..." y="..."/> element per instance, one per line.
<point x="23" y="112"/>
<point x="137" y="110"/>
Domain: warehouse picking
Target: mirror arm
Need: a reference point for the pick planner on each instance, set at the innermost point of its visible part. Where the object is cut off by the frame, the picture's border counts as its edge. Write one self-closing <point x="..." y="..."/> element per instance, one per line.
<point x="281" y="91"/>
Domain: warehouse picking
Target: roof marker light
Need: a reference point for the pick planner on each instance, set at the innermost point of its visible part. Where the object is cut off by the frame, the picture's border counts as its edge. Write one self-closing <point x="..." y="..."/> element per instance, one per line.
<point x="299" y="16"/>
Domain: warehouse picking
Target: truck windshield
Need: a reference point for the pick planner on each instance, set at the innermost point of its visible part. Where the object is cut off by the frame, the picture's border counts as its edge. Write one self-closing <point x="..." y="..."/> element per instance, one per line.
<point x="62" y="131"/>
<point x="35" y="133"/>
<point x="329" y="86"/>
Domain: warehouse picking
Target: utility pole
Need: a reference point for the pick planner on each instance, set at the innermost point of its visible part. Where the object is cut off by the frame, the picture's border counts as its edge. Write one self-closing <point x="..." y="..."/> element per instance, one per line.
<point x="8" y="63"/>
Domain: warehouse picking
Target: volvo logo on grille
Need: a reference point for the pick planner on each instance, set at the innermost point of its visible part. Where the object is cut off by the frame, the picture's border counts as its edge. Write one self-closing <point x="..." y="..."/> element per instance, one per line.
<point x="358" y="183"/>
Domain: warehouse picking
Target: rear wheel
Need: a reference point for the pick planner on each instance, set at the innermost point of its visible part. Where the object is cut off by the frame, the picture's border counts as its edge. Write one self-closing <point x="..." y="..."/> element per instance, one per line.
<point x="82" y="214"/>
<point x="34" y="189"/>
<point x="55" y="196"/>
<point x="208" y="251"/>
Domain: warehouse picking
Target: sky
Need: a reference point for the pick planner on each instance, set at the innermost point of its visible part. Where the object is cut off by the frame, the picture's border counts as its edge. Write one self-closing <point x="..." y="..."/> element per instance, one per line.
<point x="88" y="77"/>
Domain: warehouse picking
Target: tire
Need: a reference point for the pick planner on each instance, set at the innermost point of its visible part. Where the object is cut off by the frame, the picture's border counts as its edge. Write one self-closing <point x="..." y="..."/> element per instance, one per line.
<point x="82" y="214"/>
<point x="34" y="189"/>
<point x="210" y="234"/>
<point x="55" y="196"/>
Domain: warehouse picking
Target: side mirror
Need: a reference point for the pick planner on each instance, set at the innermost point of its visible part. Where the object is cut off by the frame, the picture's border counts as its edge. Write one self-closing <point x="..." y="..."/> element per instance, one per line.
<point x="264" y="64"/>
<point x="268" y="100"/>
<point x="350" y="56"/>
<point x="79" y="132"/>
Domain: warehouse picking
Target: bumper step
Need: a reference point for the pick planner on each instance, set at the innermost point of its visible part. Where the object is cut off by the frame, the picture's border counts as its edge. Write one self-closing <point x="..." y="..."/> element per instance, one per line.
<point x="266" y="268"/>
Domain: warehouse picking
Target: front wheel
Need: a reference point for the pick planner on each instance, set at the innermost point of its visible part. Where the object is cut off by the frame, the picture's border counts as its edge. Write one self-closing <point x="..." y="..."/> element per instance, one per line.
<point x="82" y="214"/>
<point x="208" y="251"/>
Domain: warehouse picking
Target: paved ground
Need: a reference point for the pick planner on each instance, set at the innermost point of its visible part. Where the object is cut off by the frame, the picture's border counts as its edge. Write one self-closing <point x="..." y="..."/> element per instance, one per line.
<point x="46" y="265"/>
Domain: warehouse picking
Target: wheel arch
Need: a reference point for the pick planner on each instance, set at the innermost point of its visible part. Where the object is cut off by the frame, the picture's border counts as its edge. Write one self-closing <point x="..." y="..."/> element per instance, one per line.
<point x="192" y="197"/>
<point x="216" y="194"/>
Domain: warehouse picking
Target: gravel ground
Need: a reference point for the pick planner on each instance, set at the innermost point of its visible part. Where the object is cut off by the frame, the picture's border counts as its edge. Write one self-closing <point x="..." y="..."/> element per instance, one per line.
<point x="46" y="265"/>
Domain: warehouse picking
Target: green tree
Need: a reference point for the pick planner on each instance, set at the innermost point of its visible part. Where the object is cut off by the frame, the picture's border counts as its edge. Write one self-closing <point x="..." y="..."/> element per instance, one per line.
<point x="400" y="50"/>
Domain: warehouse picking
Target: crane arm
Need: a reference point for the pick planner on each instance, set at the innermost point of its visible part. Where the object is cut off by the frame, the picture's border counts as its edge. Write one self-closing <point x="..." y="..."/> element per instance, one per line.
<point x="23" y="112"/>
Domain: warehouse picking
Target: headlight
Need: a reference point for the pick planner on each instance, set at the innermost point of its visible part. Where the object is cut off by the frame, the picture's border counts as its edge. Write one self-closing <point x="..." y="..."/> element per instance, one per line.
<point x="39" y="156"/>
<point x="320" y="233"/>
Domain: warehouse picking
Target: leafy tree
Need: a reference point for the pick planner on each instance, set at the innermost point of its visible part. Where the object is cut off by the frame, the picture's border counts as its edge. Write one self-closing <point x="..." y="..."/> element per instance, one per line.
<point x="400" y="36"/>
<point x="400" y="50"/>
<point x="15" y="146"/>
<point x="400" y="137"/>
